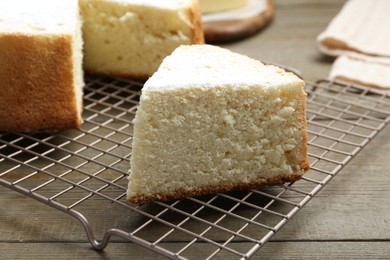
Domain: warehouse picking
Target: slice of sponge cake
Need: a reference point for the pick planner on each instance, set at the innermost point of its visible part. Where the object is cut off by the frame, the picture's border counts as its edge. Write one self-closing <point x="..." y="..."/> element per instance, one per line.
<point x="211" y="121"/>
<point x="130" y="38"/>
<point x="41" y="76"/>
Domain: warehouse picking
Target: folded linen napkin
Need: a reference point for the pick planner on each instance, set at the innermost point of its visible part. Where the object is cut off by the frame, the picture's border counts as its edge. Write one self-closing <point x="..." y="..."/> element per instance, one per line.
<point x="360" y="33"/>
<point x="363" y="70"/>
<point x="361" y="26"/>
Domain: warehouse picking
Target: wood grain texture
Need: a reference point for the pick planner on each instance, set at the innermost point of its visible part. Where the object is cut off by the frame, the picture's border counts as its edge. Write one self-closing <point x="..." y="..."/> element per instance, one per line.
<point x="354" y="206"/>
<point x="348" y="219"/>
<point x="273" y="250"/>
<point x="290" y="38"/>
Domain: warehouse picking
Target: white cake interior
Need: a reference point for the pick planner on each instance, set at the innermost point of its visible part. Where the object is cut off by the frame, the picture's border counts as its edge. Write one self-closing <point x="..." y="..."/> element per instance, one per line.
<point x="52" y="17"/>
<point x="131" y="37"/>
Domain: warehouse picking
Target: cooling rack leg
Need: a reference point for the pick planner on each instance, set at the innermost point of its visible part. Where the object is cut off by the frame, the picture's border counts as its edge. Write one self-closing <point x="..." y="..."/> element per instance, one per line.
<point x="86" y="225"/>
<point x="116" y="232"/>
<point x="90" y="234"/>
<point x="91" y="237"/>
<point x="107" y="236"/>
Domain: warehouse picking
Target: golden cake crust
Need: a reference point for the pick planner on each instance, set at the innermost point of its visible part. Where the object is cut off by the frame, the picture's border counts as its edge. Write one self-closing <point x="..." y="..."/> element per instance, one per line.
<point x="199" y="191"/>
<point x="197" y="27"/>
<point x="37" y="90"/>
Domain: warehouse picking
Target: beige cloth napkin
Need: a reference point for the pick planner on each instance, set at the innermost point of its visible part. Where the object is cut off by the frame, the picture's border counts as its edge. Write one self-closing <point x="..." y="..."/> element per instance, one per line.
<point x="362" y="26"/>
<point x="363" y="70"/>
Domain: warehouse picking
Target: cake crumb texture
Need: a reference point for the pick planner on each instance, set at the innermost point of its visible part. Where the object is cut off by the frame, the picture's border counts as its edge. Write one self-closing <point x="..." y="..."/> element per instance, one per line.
<point x="130" y="38"/>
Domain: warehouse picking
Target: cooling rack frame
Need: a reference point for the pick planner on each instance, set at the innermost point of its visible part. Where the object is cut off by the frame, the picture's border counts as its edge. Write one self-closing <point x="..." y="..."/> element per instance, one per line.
<point x="92" y="164"/>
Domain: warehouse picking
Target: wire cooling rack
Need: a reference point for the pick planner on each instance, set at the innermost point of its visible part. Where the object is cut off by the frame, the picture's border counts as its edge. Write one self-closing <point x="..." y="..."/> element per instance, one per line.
<point x="79" y="171"/>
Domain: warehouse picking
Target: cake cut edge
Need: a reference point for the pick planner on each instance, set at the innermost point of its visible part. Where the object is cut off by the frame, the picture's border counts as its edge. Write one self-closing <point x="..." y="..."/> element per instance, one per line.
<point x="213" y="189"/>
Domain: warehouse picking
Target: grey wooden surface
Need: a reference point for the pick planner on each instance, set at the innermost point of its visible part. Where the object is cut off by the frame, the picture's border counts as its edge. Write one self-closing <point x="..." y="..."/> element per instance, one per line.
<point x="348" y="219"/>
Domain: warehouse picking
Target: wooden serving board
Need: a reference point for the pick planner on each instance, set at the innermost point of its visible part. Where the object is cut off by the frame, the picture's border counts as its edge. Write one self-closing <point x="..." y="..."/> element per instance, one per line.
<point x="238" y="24"/>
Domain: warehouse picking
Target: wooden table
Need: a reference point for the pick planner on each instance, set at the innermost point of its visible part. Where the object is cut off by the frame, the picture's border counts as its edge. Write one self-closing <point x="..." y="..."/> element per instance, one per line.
<point x="348" y="219"/>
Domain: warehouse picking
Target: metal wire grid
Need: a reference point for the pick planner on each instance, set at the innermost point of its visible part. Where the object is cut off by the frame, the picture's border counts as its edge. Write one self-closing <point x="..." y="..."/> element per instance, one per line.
<point x="78" y="170"/>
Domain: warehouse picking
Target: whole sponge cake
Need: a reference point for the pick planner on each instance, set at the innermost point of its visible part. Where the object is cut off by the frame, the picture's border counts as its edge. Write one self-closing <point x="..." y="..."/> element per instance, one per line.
<point x="211" y="121"/>
<point x="41" y="76"/>
<point x="130" y="38"/>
